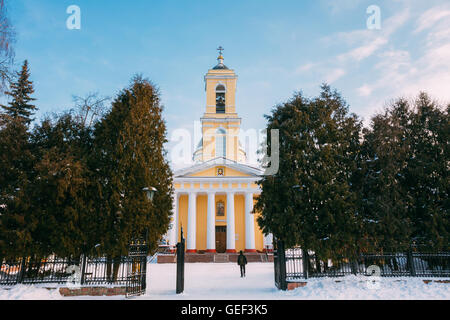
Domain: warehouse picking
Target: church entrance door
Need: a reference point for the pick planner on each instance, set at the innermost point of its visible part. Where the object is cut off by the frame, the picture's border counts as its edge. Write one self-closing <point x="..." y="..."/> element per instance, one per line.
<point x="221" y="239"/>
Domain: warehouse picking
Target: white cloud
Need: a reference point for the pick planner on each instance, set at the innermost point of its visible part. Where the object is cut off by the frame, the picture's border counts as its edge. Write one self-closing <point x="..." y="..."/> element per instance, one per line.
<point x="373" y="40"/>
<point x="364" y="51"/>
<point x="335" y="75"/>
<point x="431" y="17"/>
<point x="306" y="67"/>
<point x="365" y="90"/>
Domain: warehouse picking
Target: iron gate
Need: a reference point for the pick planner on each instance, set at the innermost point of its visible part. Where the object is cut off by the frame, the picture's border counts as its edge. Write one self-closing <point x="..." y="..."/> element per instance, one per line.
<point x="137" y="268"/>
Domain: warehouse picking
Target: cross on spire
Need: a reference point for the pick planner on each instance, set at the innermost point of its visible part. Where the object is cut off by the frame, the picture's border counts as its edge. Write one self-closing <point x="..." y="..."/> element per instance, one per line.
<point x="220" y="49"/>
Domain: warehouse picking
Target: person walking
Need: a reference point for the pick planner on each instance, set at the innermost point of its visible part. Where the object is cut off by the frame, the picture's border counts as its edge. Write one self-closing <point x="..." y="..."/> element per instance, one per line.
<point x="242" y="261"/>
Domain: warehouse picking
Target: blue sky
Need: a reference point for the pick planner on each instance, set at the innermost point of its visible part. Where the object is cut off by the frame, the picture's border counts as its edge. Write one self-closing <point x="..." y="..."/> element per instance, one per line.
<point x="276" y="48"/>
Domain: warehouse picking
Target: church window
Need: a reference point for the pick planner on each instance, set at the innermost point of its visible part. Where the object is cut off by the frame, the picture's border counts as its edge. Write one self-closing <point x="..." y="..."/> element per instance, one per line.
<point x="220" y="98"/>
<point x="221" y="143"/>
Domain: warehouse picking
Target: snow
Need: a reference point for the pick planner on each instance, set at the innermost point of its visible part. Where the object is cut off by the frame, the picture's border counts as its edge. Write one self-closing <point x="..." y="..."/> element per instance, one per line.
<point x="25" y="292"/>
<point x="205" y="281"/>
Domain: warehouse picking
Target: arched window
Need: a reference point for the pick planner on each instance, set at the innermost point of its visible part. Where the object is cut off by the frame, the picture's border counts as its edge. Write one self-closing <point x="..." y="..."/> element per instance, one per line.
<point x="220" y="98"/>
<point x="221" y="143"/>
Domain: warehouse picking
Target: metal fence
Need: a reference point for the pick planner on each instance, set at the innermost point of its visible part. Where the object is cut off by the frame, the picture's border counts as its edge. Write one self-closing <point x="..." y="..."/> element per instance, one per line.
<point x="55" y="270"/>
<point x="294" y="263"/>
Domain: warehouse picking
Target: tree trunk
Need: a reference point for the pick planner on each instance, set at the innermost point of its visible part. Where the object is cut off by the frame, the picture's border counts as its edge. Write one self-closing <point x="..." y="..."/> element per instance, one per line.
<point x="116" y="267"/>
<point x="108" y="268"/>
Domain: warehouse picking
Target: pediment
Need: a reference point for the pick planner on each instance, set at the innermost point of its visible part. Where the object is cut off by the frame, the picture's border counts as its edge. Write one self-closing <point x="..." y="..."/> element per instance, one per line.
<point x="211" y="168"/>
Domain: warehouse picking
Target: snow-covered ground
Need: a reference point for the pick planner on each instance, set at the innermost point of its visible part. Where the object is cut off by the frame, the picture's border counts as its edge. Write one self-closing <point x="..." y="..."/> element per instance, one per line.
<point x="223" y="281"/>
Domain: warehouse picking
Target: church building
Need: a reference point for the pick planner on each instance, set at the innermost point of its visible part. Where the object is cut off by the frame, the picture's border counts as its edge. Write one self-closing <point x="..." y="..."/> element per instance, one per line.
<point x="214" y="198"/>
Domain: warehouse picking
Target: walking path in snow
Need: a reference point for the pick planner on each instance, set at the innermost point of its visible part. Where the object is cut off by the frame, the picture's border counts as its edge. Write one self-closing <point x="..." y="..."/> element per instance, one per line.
<point x="205" y="281"/>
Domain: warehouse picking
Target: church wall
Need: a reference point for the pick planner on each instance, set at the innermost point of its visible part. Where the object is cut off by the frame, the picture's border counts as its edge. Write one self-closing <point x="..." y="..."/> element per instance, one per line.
<point x="202" y="209"/>
<point x="182" y="215"/>
<point x="259" y="236"/>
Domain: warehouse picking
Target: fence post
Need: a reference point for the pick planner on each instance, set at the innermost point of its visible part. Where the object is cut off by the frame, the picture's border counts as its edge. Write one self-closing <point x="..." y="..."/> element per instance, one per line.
<point x="353" y="266"/>
<point x="305" y="263"/>
<point x="22" y="271"/>
<point x="180" y="264"/>
<point x="282" y="264"/>
<point x="410" y="259"/>
<point x="83" y="269"/>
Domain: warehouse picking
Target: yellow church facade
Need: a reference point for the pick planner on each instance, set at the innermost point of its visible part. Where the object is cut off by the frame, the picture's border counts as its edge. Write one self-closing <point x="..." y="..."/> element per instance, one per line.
<point x="214" y="198"/>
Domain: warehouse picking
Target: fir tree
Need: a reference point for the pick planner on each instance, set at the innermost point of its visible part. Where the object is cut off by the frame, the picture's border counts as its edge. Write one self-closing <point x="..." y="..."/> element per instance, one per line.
<point x="404" y="185"/>
<point x="426" y="176"/>
<point x="61" y="195"/>
<point x="16" y="163"/>
<point x="383" y="201"/>
<point x="309" y="202"/>
<point x="130" y="153"/>
<point x="20" y="106"/>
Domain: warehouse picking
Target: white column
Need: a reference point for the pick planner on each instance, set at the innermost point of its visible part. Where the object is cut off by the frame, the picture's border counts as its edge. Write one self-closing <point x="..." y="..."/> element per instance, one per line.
<point x="231" y="234"/>
<point x="173" y="233"/>
<point x="249" y="224"/>
<point x="211" y="223"/>
<point x="192" y="223"/>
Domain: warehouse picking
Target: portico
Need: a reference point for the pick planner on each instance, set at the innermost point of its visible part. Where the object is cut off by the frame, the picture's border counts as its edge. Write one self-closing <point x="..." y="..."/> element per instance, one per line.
<point x="201" y="204"/>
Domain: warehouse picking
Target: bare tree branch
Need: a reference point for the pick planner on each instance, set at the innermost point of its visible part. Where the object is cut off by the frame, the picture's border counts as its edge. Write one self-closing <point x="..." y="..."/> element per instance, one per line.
<point x="7" y="39"/>
<point x="90" y="108"/>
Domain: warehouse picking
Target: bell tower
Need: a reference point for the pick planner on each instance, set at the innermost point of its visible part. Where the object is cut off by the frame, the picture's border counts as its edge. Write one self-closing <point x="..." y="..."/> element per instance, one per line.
<point x="220" y="85"/>
<point x="220" y="122"/>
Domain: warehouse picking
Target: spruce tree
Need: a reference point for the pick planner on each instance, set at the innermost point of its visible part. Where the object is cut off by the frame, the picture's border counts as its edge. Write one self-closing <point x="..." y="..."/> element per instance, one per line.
<point x="309" y="202"/>
<point x="426" y="176"/>
<point x="16" y="164"/>
<point x="61" y="195"/>
<point x="383" y="201"/>
<point x="130" y="156"/>
<point x="403" y="196"/>
<point x="20" y="106"/>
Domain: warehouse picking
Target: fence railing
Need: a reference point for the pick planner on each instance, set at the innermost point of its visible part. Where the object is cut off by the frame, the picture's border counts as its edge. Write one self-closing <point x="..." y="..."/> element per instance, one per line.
<point x="55" y="270"/>
<point x="295" y="263"/>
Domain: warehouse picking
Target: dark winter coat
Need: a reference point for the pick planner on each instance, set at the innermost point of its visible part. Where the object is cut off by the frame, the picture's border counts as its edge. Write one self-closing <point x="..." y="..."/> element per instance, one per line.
<point x="242" y="260"/>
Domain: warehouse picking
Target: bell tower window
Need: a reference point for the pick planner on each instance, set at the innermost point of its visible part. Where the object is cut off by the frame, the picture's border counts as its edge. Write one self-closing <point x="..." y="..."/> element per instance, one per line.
<point x="220" y="98"/>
